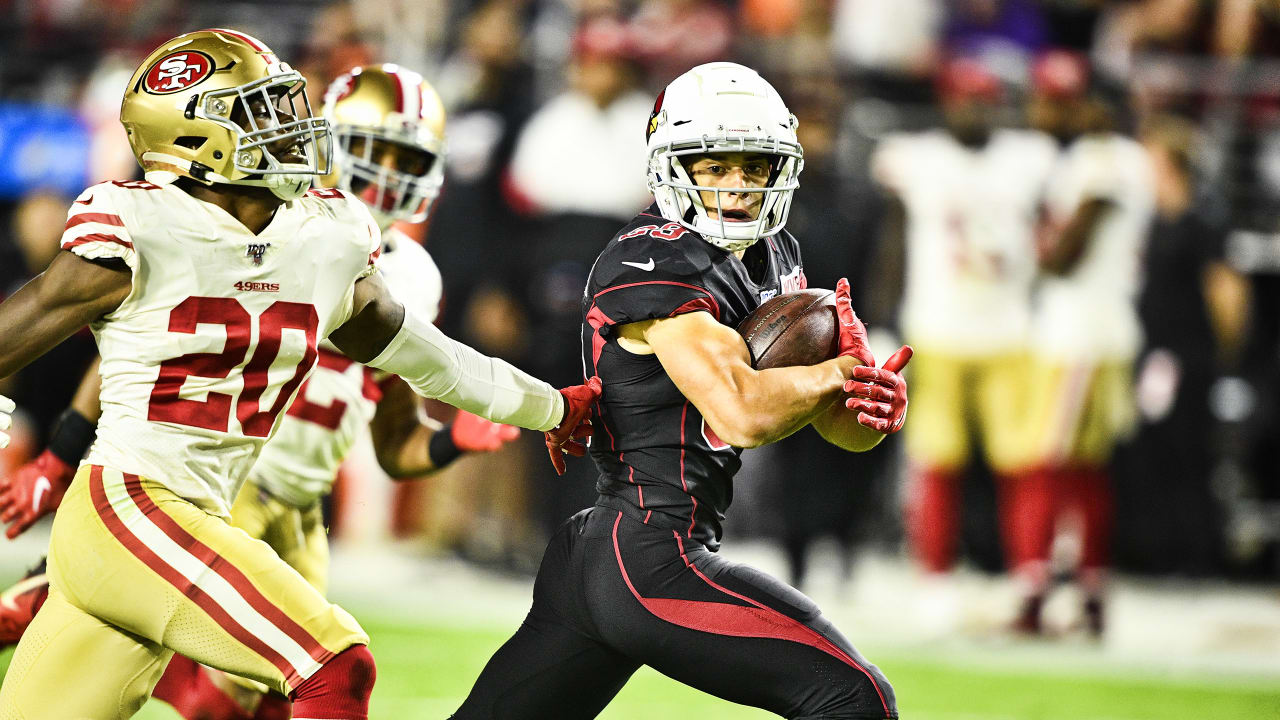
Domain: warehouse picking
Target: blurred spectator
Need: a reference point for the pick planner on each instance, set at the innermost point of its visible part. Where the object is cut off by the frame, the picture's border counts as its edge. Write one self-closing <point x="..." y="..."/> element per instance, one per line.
<point x="579" y="172"/>
<point x="1003" y="34"/>
<point x="1193" y="309"/>
<point x="964" y="199"/>
<point x="890" y="46"/>
<point x="1096" y="216"/>
<point x="843" y="496"/>
<point x="487" y="87"/>
<point x="477" y="242"/>
<point x="672" y="36"/>
<point x="1127" y="30"/>
<point x="565" y="154"/>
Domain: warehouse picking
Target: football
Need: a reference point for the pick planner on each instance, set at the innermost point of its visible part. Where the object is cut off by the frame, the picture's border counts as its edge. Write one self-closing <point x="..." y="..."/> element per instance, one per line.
<point x="798" y="328"/>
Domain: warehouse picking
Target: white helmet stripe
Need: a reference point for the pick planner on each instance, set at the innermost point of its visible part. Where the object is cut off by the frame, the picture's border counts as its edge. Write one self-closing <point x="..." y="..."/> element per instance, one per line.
<point x="253" y="42"/>
<point x="409" y="101"/>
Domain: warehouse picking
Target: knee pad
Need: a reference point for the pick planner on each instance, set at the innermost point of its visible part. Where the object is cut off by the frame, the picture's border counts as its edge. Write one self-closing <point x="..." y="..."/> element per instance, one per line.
<point x="339" y="690"/>
<point x="860" y="694"/>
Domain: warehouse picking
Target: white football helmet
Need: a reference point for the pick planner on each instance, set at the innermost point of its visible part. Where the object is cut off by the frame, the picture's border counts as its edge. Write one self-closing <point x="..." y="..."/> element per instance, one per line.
<point x="387" y="104"/>
<point x="713" y="108"/>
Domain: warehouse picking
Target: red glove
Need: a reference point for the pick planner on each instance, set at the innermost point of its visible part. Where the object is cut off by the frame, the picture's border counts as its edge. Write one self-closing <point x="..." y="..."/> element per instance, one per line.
<point x="576" y="425"/>
<point x="880" y="394"/>
<point x="472" y="433"/>
<point x="853" y="334"/>
<point x="34" y="491"/>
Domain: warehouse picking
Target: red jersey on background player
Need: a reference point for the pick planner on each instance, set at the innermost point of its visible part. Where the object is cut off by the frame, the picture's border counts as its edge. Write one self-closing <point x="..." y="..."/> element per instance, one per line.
<point x="208" y="288"/>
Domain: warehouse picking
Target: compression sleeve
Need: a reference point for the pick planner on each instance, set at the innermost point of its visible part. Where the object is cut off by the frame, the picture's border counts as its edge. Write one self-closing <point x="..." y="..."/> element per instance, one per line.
<point x="436" y="366"/>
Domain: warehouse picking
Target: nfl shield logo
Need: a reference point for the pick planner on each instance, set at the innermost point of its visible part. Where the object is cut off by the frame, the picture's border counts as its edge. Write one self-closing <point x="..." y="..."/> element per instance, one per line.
<point x="256" y="251"/>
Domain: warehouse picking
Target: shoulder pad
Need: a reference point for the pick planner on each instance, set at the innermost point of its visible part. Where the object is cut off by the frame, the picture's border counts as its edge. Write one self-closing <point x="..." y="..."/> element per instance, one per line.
<point x="639" y="255"/>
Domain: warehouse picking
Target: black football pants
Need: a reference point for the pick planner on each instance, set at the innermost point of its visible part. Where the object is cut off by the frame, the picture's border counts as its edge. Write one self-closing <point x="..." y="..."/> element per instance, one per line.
<point x="614" y="594"/>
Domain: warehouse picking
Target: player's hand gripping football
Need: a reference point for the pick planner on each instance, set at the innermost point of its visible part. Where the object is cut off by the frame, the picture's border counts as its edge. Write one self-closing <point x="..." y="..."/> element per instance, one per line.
<point x="852" y="333"/>
<point x="576" y="426"/>
<point x="880" y="393"/>
<point x="472" y="433"/>
<point x="34" y="491"/>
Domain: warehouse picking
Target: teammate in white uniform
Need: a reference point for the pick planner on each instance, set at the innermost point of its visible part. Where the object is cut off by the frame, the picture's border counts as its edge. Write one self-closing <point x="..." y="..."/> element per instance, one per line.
<point x="968" y="197"/>
<point x="208" y="288"/>
<point x="1097" y="212"/>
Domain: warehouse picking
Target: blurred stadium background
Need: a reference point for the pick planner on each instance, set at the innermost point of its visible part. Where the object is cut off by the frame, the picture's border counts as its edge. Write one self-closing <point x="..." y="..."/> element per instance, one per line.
<point x="547" y="100"/>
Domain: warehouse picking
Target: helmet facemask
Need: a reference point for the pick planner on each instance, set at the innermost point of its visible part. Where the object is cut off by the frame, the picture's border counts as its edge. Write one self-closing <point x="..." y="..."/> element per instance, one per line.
<point x="264" y="114"/>
<point x="403" y="191"/>
<point x="672" y="184"/>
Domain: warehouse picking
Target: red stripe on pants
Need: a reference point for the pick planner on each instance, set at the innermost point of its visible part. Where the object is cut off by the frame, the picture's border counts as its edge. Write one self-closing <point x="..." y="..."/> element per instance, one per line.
<point x="149" y="558"/>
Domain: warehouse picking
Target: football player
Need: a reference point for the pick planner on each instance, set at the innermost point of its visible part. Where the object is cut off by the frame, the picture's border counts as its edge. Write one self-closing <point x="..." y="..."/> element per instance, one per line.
<point x="965" y="199"/>
<point x="635" y="580"/>
<point x="208" y="287"/>
<point x="1097" y="211"/>
<point x="389" y="151"/>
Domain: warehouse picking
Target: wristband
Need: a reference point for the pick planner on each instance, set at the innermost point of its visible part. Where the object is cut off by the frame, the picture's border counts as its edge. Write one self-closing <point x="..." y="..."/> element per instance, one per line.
<point x="441" y="449"/>
<point x="72" y="435"/>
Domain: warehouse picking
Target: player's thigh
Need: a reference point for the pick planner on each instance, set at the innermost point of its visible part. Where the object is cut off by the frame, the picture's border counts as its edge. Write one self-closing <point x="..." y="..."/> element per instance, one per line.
<point x="726" y="628"/>
<point x="1057" y="395"/>
<point x="252" y="512"/>
<point x="552" y="667"/>
<point x="70" y="664"/>
<point x="308" y="552"/>
<point x="297" y="535"/>
<point x="1001" y="408"/>
<point x="937" y="435"/>
<point x="135" y="555"/>
<point x="1109" y="414"/>
<point x="547" y="670"/>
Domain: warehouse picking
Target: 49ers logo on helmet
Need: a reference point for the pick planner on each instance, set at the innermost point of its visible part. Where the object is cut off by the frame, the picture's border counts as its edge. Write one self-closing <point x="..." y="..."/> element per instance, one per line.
<point x="177" y="71"/>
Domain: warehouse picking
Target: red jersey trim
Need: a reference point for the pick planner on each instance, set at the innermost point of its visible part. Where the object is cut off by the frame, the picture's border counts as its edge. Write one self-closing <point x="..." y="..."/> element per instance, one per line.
<point x="104" y="218"/>
<point x="713" y="307"/>
<point x="96" y="237"/>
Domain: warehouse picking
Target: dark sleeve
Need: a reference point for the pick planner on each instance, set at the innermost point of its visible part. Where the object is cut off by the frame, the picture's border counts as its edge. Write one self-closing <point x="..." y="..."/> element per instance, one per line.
<point x="1212" y="240"/>
<point x="642" y="279"/>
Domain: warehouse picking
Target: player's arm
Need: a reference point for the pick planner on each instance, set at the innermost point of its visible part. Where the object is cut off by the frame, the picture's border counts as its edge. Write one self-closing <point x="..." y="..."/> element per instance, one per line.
<point x="710" y="364"/>
<point x="382" y="335"/>
<point x="1062" y="249"/>
<point x="70" y="294"/>
<point x="409" y="444"/>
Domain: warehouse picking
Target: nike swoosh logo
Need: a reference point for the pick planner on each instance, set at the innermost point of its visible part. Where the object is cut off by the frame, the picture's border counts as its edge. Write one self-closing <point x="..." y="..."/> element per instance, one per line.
<point x="86" y="201"/>
<point x="645" y="266"/>
<point x="43" y="486"/>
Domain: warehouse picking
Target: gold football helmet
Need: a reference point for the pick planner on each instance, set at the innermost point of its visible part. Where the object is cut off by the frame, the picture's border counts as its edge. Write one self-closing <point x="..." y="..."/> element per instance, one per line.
<point x="218" y="106"/>
<point x="389" y="124"/>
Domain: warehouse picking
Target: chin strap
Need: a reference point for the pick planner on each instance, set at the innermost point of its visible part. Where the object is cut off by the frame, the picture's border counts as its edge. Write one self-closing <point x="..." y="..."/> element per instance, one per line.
<point x="286" y="186"/>
<point x="163" y="169"/>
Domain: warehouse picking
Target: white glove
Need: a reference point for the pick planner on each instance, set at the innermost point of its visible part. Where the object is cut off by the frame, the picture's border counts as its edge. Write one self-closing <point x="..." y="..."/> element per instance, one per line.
<point x="6" y="419"/>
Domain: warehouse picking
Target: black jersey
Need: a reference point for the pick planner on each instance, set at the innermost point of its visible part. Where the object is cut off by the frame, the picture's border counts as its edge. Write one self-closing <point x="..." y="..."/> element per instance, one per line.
<point x="659" y="461"/>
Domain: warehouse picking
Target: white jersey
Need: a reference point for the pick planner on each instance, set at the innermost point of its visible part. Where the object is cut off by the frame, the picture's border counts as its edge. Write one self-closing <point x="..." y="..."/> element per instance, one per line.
<point x="220" y="329"/>
<point x="338" y="401"/>
<point x="970" y="250"/>
<point x="1089" y="313"/>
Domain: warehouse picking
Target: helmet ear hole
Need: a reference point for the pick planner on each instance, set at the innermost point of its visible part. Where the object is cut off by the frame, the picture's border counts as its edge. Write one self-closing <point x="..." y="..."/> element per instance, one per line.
<point x="191" y="142"/>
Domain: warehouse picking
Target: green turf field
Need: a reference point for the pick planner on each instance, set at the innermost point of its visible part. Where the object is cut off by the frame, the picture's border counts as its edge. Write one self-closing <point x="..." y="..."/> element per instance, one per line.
<point x="424" y="671"/>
